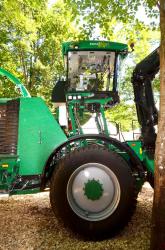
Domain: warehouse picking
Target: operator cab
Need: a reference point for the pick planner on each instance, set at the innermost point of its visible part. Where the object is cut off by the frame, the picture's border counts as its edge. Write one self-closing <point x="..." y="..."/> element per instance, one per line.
<point x="91" y="66"/>
<point x="91" y="85"/>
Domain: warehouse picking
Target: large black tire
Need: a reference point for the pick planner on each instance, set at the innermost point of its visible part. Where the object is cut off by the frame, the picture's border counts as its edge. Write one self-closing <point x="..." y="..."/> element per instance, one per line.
<point x="125" y="205"/>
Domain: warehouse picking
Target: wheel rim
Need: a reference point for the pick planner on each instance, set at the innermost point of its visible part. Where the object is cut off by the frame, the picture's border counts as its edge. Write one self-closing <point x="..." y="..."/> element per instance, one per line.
<point x="93" y="191"/>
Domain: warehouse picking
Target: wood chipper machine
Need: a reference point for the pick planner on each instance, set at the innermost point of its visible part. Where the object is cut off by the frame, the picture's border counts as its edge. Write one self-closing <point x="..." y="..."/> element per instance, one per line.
<point x="93" y="179"/>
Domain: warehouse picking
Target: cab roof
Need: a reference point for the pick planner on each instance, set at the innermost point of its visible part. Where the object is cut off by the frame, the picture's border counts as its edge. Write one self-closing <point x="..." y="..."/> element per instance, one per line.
<point x="95" y="45"/>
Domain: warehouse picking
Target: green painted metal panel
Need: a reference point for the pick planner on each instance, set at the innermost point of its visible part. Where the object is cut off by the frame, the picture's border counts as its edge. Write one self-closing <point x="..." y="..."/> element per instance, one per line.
<point x="39" y="134"/>
<point x="137" y="148"/>
<point x="93" y="45"/>
<point x="144" y="156"/>
<point x="9" y="167"/>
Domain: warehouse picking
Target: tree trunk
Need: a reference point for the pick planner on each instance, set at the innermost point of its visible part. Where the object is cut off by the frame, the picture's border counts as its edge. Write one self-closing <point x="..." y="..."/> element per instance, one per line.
<point x="158" y="213"/>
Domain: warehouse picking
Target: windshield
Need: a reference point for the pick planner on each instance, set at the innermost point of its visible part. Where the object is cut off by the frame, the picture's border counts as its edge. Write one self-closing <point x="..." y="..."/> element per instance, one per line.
<point x="91" y="70"/>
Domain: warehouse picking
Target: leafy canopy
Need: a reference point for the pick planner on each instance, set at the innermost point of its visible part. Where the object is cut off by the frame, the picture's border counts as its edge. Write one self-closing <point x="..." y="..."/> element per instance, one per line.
<point x="30" y="43"/>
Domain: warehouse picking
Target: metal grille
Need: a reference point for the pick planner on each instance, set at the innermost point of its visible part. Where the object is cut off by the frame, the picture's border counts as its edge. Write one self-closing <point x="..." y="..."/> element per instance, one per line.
<point x="9" y="114"/>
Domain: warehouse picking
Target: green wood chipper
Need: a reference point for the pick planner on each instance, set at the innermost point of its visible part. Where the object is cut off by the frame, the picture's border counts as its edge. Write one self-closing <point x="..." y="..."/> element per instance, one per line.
<point x="94" y="179"/>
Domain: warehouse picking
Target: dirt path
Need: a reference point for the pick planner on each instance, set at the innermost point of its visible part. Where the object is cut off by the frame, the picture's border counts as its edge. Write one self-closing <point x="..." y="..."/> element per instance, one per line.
<point x="27" y="222"/>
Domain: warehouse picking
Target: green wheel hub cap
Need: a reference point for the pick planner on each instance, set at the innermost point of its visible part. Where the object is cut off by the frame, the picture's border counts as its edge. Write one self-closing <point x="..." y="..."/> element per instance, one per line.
<point x="93" y="189"/>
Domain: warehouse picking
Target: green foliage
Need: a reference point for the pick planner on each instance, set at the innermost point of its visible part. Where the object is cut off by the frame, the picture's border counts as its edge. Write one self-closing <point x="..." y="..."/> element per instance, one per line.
<point x="105" y="14"/>
<point x="103" y="11"/>
<point x="7" y="89"/>
<point x="123" y="114"/>
<point x="30" y="43"/>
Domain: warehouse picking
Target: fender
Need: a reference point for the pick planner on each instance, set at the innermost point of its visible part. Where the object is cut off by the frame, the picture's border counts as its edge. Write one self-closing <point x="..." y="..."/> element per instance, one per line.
<point x="136" y="164"/>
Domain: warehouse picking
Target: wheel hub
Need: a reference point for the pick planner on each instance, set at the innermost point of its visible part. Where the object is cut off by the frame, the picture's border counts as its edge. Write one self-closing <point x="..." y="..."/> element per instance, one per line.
<point x="93" y="189"/>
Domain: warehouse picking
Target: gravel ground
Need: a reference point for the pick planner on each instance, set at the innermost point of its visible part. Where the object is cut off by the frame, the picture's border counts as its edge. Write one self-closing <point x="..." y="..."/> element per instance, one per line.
<point x="27" y="222"/>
